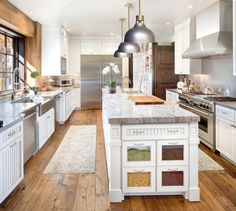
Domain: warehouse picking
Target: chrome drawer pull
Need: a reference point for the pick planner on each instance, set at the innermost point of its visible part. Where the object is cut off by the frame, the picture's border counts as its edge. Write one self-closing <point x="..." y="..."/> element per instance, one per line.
<point x="138" y="144"/>
<point x="172" y="131"/>
<point x="172" y="143"/>
<point x="138" y="170"/>
<point x="172" y="169"/>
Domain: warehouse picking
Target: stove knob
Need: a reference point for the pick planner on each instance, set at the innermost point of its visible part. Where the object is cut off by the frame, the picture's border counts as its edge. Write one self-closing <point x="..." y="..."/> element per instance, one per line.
<point x="195" y="104"/>
<point x="207" y="107"/>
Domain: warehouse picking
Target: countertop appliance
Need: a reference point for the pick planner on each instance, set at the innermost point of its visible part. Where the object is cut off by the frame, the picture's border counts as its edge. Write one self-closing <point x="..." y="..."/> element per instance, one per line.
<point x="204" y="106"/>
<point x="30" y="146"/>
<point x="92" y="80"/>
<point x="64" y="82"/>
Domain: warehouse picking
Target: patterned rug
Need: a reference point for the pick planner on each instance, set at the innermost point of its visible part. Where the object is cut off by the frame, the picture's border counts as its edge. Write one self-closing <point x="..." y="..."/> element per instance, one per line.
<point x="76" y="153"/>
<point x="206" y="163"/>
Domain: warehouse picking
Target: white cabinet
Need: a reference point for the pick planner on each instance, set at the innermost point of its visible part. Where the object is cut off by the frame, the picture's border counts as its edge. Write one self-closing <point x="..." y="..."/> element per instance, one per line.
<point x="74" y="55"/>
<point x="54" y="46"/>
<point x="172" y="179"/>
<point x="76" y="98"/>
<point x="172" y="96"/>
<point x="69" y="105"/>
<point x="139" y="180"/>
<point x="226" y="132"/>
<point x="98" y="46"/>
<point x="64" y="43"/>
<point x="90" y="47"/>
<point x="109" y="46"/>
<point x="11" y="159"/>
<point x="46" y="127"/>
<point x="184" y="36"/>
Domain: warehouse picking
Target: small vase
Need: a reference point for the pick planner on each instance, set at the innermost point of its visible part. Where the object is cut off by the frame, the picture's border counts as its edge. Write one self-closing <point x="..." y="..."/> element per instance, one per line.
<point x="112" y="90"/>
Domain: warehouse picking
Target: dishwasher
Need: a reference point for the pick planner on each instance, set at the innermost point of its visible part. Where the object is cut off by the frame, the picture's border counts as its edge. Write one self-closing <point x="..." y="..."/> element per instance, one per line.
<point x="29" y="123"/>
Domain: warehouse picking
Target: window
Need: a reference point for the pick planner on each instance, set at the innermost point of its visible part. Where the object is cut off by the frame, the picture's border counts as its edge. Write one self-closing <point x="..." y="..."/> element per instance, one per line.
<point x="11" y="56"/>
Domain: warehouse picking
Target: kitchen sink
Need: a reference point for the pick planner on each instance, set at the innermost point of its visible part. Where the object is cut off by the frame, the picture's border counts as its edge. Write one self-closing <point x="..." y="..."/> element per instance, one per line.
<point x="25" y="100"/>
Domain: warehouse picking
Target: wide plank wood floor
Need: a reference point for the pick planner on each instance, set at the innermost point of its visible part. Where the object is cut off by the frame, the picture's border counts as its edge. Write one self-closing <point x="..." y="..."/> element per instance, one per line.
<point x="83" y="192"/>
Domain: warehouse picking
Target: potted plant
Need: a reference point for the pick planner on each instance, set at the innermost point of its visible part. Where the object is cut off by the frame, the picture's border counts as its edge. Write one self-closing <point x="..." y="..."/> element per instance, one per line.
<point x="111" y="83"/>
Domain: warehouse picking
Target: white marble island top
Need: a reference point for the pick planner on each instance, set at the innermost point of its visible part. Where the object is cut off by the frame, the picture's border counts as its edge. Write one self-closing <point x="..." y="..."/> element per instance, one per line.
<point x="120" y="110"/>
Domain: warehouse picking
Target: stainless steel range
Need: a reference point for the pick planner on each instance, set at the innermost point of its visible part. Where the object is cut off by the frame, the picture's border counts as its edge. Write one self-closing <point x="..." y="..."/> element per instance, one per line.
<point x="205" y="109"/>
<point x="204" y="106"/>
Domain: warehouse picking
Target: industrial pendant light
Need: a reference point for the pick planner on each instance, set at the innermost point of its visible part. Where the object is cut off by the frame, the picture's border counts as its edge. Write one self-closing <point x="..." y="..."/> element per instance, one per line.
<point x="119" y="54"/>
<point x="140" y="33"/>
<point x="129" y="47"/>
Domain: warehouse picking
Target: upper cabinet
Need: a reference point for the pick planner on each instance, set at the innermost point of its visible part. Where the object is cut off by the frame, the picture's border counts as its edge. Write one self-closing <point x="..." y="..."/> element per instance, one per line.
<point x="184" y="36"/>
<point x="54" y="46"/>
<point x="234" y="37"/>
<point x="98" y="47"/>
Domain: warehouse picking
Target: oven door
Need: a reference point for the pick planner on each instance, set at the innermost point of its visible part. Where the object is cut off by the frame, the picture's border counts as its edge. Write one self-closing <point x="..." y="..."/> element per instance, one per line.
<point x="205" y="126"/>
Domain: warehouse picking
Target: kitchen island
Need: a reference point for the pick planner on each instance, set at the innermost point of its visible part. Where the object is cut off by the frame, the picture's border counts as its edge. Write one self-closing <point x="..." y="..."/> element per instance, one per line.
<point x="150" y="149"/>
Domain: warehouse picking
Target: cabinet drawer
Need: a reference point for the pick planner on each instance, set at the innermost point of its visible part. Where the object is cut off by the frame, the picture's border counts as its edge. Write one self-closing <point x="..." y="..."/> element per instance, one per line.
<point x="172" y="179"/>
<point x="138" y="180"/>
<point x="138" y="153"/>
<point x="172" y="152"/>
<point x="155" y="132"/>
<point x="225" y="113"/>
<point x="10" y="134"/>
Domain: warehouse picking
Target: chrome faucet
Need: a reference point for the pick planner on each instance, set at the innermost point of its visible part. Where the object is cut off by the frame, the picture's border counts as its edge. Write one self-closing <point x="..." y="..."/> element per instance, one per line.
<point x="14" y="73"/>
<point x="123" y="79"/>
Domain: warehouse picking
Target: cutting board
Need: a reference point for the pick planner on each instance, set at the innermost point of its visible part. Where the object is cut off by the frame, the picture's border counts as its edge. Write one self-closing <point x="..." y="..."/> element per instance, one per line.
<point x="146" y="100"/>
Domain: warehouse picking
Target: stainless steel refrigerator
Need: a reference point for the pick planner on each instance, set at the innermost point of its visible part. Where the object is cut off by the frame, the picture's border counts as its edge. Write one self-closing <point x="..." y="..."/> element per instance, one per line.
<point x="92" y="79"/>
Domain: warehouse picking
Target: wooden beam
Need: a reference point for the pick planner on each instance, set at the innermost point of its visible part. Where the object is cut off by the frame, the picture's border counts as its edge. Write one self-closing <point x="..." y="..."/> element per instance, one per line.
<point x="33" y="52"/>
<point x="15" y="19"/>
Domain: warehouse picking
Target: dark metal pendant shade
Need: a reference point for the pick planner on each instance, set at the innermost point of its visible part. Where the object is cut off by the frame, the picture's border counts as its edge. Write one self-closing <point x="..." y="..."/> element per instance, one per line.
<point x="119" y="54"/>
<point x="139" y="33"/>
<point x="127" y="47"/>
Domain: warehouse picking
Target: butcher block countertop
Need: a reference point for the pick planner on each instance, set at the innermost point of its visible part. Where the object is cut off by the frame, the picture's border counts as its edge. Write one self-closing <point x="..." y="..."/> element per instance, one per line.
<point x="119" y="109"/>
<point x="146" y="100"/>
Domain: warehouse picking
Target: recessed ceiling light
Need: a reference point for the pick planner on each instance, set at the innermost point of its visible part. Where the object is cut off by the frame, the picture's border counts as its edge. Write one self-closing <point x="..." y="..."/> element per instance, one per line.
<point x="111" y="33"/>
<point x="167" y="23"/>
<point x="190" y="6"/>
<point x="84" y="33"/>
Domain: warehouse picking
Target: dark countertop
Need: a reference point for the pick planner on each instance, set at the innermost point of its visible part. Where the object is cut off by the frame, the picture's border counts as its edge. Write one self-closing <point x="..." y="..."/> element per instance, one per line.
<point x="231" y="104"/>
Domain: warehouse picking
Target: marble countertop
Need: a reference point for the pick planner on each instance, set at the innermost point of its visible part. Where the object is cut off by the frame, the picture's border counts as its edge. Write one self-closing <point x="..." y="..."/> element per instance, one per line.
<point x="12" y="113"/>
<point x="175" y="90"/>
<point x="231" y="104"/>
<point x="120" y="110"/>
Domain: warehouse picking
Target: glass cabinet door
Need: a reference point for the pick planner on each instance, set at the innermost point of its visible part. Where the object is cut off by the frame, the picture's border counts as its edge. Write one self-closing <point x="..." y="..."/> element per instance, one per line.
<point x="139" y="179"/>
<point x="138" y="153"/>
<point x="171" y="179"/>
<point x="172" y="153"/>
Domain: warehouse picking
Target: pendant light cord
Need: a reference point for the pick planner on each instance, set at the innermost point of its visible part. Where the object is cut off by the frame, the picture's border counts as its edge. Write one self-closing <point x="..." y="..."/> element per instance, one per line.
<point x="139" y="4"/>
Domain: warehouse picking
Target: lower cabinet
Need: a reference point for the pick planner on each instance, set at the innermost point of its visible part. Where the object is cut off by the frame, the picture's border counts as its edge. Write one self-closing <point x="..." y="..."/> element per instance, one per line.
<point x="46" y="127"/>
<point x="225" y="138"/>
<point x="11" y="161"/>
<point x="155" y="166"/>
<point x="171" y="179"/>
<point x="139" y="179"/>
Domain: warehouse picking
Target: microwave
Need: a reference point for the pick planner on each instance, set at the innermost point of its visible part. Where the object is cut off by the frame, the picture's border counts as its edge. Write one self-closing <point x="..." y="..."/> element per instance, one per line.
<point x="64" y="82"/>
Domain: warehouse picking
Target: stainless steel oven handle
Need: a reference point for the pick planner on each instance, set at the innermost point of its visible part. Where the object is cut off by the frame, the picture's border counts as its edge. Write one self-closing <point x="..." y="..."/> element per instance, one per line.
<point x="196" y="110"/>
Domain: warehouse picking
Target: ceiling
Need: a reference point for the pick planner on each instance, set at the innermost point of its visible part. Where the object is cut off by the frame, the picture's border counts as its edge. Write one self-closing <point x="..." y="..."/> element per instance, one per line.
<point x="100" y="17"/>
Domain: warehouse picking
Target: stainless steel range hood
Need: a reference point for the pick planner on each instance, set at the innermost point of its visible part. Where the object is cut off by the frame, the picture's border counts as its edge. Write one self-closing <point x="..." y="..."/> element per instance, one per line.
<point x="214" y="32"/>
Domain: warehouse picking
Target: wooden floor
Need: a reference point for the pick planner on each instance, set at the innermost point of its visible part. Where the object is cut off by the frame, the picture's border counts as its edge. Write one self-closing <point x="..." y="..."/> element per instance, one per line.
<point x="84" y="192"/>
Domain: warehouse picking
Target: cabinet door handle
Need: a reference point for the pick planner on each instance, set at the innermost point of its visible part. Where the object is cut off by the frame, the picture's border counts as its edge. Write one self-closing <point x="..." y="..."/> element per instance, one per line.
<point x="172" y="131"/>
<point x="135" y="170"/>
<point x="12" y="145"/>
<point x="172" y="169"/>
<point x="172" y="143"/>
<point x="138" y="144"/>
